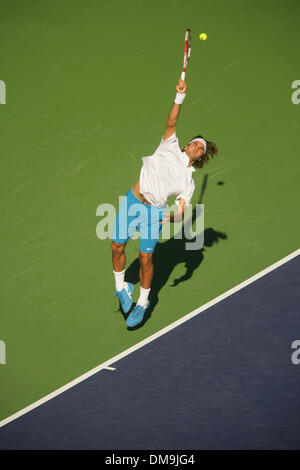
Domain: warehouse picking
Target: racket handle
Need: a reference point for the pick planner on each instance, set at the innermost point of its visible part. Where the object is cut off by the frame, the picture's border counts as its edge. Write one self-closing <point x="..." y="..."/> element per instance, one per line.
<point x="182" y="78"/>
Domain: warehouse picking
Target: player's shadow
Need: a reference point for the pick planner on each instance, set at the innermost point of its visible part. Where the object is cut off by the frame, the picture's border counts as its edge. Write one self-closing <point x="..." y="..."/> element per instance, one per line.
<point x="168" y="254"/>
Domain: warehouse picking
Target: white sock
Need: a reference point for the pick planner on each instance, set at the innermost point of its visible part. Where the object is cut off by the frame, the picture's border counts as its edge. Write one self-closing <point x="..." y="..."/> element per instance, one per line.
<point x="119" y="278"/>
<point x="143" y="298"/>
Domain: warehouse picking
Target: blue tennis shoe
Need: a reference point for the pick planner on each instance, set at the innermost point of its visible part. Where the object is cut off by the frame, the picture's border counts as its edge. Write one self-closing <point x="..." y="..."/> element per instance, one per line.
<point x="125" y="296"/>
<point x="137" y="315"/>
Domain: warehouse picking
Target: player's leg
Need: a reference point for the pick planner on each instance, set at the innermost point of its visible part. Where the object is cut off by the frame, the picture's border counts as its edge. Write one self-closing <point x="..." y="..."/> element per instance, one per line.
<point x="121" y="235"/>
<point x="119" y="239"/>
<point x="150" y="231"/>
<point x="118" y="255"/>
<point x="124" y="227"/>
<point x="146" y="269"/>
<point x="124" y="289"/>
<point x="118" y="261"/>
<point x="146" y="276"/>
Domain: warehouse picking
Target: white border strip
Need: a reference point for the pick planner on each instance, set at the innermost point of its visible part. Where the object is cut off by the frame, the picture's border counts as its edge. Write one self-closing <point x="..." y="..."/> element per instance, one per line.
<point x="156" y="335"/>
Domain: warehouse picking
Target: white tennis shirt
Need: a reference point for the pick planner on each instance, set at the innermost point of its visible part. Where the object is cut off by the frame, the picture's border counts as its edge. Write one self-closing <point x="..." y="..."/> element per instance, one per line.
<point x="166" y="173"/>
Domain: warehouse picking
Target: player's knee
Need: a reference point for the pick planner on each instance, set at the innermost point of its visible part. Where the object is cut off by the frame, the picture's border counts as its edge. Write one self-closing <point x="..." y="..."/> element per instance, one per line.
<point x="146" y="258"/>
<point x="117" y="248"/>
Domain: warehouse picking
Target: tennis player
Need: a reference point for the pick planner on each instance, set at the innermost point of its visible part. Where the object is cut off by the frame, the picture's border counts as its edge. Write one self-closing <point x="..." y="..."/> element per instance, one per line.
<point x="169" y="171"/>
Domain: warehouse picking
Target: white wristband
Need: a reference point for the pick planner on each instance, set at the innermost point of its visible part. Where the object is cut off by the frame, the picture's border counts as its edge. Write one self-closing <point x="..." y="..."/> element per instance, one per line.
<point x="179" y="98"/>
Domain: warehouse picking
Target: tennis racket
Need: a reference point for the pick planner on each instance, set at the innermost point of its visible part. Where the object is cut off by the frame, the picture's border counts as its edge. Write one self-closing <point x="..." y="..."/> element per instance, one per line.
<point x="187" y="52"/>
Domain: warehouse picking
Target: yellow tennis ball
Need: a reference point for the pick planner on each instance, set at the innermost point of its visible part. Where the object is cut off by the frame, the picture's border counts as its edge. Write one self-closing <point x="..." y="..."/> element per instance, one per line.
<point x="203" y="36"/>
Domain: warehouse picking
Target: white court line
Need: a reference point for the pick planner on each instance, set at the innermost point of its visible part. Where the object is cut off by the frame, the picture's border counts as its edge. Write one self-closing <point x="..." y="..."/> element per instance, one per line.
<point x="156" y="335"/>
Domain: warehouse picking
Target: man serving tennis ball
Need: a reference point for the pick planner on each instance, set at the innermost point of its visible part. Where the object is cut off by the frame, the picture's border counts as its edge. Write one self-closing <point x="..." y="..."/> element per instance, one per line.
<point x="169" y="171"/>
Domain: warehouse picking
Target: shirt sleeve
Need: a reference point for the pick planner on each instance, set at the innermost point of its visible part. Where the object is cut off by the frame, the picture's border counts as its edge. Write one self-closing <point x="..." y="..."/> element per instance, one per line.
<point x="170" y="139"/>
<point x="167" y="144"/>
<point x="187" y="194"/>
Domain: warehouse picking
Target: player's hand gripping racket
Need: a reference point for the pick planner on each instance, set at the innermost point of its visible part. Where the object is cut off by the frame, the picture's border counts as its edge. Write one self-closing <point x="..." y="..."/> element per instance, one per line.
<point x="187" y="53"/>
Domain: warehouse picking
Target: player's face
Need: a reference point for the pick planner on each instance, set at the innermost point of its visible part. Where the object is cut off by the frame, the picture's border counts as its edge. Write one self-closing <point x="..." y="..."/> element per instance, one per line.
<point x="195" y="150"/>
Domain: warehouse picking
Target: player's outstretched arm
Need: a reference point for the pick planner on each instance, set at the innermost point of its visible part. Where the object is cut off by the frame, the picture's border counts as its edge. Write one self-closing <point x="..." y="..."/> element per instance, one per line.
<point x="174" y="113"/>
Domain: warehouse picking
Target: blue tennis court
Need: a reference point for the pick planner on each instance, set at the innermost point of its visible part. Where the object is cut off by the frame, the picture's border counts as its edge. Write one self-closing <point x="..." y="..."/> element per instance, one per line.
<point x="224" y="379"/>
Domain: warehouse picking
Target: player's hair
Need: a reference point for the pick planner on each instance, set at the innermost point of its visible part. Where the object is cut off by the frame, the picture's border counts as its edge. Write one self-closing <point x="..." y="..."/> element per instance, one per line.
<point x="211" y="150"/>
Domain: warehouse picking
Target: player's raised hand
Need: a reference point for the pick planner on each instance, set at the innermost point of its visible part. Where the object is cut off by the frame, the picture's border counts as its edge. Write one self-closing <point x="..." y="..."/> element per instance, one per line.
<point x="181" y="86"/>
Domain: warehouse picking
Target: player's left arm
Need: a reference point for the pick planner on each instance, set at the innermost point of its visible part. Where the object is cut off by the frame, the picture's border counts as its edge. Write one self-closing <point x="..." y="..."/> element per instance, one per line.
<point x="175" y="217"/>
<point x="175" y="110"/>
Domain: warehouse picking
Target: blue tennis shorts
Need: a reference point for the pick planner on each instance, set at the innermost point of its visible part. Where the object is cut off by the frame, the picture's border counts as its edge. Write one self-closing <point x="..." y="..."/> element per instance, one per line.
<point x="135" y="215"/>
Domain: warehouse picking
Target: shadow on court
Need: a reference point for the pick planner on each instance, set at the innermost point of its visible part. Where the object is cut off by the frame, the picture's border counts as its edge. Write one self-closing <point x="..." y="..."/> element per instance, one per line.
<point x="169" y="254"/>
